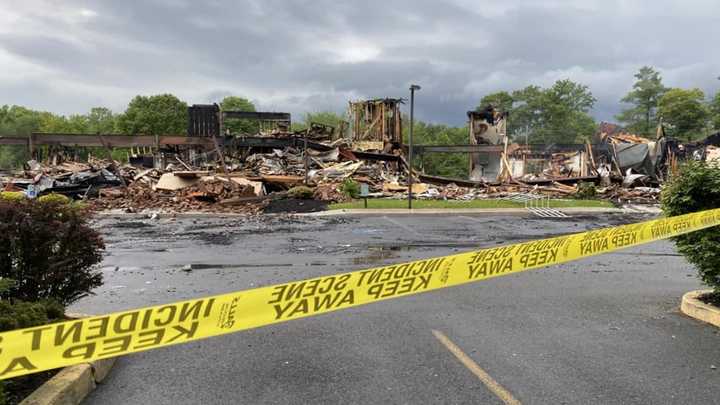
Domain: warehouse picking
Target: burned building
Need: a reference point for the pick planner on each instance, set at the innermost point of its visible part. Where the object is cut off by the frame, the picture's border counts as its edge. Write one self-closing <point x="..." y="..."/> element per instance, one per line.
<point x="211" y="120"/>
<point x="487" y="127"/>
<point x="376" y="124"/>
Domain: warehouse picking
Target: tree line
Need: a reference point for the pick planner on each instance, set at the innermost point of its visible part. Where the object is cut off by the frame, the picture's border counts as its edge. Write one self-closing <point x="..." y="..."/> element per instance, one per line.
<point x="160" y="114"/>
<point x="559" y="113"/>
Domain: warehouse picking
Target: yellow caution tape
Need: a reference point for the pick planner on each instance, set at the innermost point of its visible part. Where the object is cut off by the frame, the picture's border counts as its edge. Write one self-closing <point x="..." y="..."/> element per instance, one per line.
<point x="26" y="351"/>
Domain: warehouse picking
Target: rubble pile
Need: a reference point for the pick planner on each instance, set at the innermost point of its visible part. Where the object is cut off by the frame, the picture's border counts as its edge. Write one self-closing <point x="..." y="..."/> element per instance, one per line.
<point x="249" y="182"/>
<point x="249" y="186"/>
<point x="637" y="195"/>
<point x="242" y="186"/>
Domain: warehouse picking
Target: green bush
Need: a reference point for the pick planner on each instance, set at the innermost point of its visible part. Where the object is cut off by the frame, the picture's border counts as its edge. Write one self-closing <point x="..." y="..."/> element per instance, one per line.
<point x="12" y="195"/>
<point x="49" y="250"/>
<point x="350" y="188"/>
<point x="695" y="188"/>
<point x="586" y="190"/>
<point x="54" y="199"/>
<point x="17" y="315"/>
<point x="20" y="314"/>
<point x="301" y="192"/>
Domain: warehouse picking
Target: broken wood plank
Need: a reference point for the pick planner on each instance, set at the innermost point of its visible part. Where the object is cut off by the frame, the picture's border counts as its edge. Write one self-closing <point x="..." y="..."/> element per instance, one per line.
<point x="189" y="174"/>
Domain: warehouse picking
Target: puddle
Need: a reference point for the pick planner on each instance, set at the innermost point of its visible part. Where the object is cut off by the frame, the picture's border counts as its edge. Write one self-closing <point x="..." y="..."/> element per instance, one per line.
<point x="361" y="231"/>
<point x="131" y="225"/>
<point x="373" y="257"/>
<point x="377" y="254"/>
<point x="210" y="266"/>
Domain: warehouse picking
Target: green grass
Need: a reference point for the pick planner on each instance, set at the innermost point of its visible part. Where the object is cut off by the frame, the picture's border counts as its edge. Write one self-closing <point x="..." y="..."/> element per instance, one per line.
<point x="425" y="204"/>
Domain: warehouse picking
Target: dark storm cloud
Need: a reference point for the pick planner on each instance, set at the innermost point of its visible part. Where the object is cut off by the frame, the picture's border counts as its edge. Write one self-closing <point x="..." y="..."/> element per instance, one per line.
<point x="315" y="55"/>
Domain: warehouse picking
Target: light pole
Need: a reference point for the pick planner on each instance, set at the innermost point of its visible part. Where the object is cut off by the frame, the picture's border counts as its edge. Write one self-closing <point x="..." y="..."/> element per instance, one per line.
<point x="413" y="88"/>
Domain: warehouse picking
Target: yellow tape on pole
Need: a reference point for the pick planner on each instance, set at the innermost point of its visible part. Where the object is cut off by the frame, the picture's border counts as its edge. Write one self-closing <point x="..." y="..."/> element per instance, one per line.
<point x="26" y="351"/>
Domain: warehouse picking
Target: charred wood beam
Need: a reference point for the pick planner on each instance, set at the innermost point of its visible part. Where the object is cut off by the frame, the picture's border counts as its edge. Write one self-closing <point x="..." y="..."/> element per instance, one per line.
<point x="267" y="142"/>
<point x="532" y="148"/>
<point x="14" y="140"/>
<point x="561" y="147"/>
<point x="257" y="115"/>
<point x="439" y="180"/>
<point x="259" y="142"/>
<point x="126" y="141"/>
<point x="563" y="180"/>
<point x="115" y="141"/>
<point x="384" y="157"/>
<point x="421" y="149"/>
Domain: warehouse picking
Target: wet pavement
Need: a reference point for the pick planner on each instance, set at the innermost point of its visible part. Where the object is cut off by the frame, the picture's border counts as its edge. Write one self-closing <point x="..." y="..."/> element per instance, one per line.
<point x="600" y="330"/>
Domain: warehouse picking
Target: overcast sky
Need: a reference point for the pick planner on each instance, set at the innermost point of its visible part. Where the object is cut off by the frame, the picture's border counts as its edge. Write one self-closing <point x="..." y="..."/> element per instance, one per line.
<point x="297" y="56"/>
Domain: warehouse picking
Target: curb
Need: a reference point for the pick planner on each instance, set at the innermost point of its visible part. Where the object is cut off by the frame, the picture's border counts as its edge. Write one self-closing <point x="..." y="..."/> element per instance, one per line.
<point x="72" y="384"/>
<point x="361" y="211"/>
<point x="166" y="215"/>
<point x="445" y="211"/>
<point x="693" y="307"/>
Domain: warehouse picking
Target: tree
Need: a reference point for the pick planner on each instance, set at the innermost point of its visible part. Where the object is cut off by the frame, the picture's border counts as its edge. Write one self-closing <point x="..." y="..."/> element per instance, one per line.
<point x="21" y="121"/>
<point x="558" y="114"/>
<point x="565" y="115"/>
<point x="715" y="111"/>
<point x="101" y="120"/>
<point x="17" y="120"/>
<point x="501" y="100"/>
<point x="441" y="164"/>
<point x="239" y="126"/>
<point x="77" y="124"/>
<point x="321" y="117"/>
<point x="162" y="114"/>
<point x="647" y="91"/>
<point x="684" y="112"/>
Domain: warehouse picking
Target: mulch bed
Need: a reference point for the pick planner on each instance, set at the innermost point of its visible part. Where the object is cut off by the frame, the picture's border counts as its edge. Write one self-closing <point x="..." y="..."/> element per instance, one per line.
<point x="19" y="388"/>
<point x="711" y="299"/>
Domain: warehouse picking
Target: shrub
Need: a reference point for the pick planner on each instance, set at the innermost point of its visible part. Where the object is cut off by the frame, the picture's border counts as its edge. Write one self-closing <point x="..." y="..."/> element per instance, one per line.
<point x="695" y="188"/>
<point x="49" y="250"/>
<point x="350" y="188"/>
<point x="586" y="190"/>
<point x="12" y="195"/>
<point x="23" y="315"/>
<point x="54" y="198"/>
<point x="301" y="192"/>
<point x="20" y="314"/>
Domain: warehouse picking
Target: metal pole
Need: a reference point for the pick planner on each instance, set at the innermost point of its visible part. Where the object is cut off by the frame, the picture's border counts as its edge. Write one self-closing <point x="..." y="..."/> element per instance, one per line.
<point x="410" y="142"/>
<point x="305" y="156"/>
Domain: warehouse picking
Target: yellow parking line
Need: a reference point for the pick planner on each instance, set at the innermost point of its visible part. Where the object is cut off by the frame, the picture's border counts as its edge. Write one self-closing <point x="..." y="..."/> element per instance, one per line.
<point x="481" y="374"/>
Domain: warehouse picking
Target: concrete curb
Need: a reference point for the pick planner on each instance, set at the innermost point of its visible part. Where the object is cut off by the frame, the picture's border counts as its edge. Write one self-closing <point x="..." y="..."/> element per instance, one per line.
<point x="72" y="384"/>
<point x="388" y="211"/>
<point x="627" y="209"/>
<point x="445" y="211"/>
<point x="693" y="307"/>
<point x="166" y="215"/>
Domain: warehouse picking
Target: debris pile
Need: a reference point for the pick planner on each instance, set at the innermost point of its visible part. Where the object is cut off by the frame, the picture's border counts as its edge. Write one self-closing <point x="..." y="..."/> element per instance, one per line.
<point x="249" y="185"/>
<point x="618" y="166"/>
<point x="243" y="185"/>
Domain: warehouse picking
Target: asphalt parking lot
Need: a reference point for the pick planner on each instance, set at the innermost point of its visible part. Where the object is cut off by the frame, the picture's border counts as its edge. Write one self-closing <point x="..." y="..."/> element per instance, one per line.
<point x="603" y="330"/>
